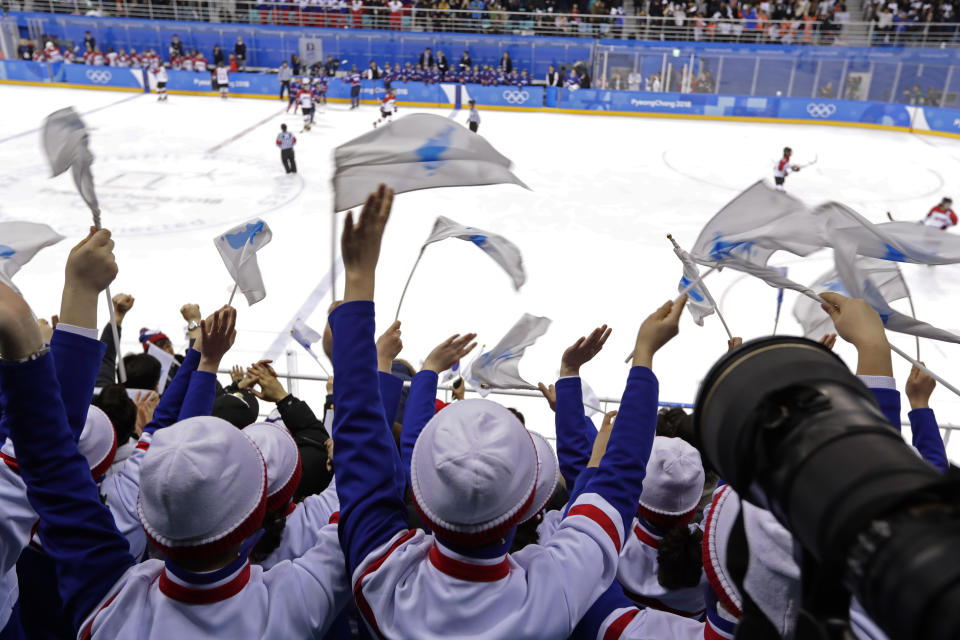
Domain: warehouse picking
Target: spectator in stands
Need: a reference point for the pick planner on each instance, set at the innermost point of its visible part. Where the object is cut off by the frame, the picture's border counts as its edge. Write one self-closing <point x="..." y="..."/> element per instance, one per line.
<point x="553" y="78"/>
<point x="426" y="59"/>
<point x="89" y="42"/>
<point x="465" y="62"/>
<point x="506" y="64"/>
<point x="218" y="57"/>
<point x="827" y="91"/>
<point x="176" y="47"/>
<point x="240" y="51"/>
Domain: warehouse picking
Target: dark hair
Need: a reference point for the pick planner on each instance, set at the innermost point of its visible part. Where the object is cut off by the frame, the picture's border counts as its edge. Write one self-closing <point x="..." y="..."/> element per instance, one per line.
<point x="121" y="410"/>
<point x="680" y="558"/>
<point x="518" y="414"/>
<point x="283" y="127"/>
<point x="672" y="421"/>
<point x="143" y="371"/>
<point x="239" y="409"/>
<point x="273" y="525"/>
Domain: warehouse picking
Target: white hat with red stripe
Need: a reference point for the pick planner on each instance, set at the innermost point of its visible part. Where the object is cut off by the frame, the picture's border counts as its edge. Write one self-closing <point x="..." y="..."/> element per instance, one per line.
<point x="673" y="485"/>
<point x="98" y="443"/>
<point x="203" y="488"/>
<point x="474" y="472"/>
<point x="282" y="457"/>
<point x="548" y="474"/>
<point x="772" y="579"/>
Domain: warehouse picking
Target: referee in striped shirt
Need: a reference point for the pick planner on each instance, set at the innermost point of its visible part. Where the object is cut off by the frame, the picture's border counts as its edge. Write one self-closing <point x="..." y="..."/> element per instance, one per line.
<point x="286" y="140"/>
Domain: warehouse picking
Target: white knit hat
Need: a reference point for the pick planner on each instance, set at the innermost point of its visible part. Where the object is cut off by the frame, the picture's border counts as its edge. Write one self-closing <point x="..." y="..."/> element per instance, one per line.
<point x="282" y="457"/>
<point x="548" y="473"/>
<point x="473" y="472"/>
<point x="203" y="488"/>
<point x="673" y="485"/>
<point x="98" y="443"/>
<point x="772" y="579"/>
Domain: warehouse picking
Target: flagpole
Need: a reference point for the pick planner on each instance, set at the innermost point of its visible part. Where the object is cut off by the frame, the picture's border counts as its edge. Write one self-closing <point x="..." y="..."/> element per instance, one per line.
<point x="706" y="291"/>
<point x="314" y="356"/>
<point x="913" y="311"/>
<point x="236" y="282"/>
<point x="121" y="369"/>
<point x="685" y="291"/>
<point x="333" y="250"/>
<point x="776" y="318"/>
<point x="409" y="278"/>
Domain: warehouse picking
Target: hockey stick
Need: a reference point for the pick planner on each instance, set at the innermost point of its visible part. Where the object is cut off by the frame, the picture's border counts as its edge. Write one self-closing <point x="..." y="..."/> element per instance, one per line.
<point x="811" y="163"/>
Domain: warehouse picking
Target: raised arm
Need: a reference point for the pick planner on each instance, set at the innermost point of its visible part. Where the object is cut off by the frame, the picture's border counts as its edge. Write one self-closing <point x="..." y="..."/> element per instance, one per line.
<point x="923" y="424"/>
<point x="389" y="346"/>
<point x="421" y="402"/>
<point x="217" y="334"/>
<point x="367" y="465"/>
<point x="76" y="530"/>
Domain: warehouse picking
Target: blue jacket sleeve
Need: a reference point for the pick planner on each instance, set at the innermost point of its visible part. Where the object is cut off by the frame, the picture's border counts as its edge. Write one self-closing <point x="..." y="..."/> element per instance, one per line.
<point x="168" y="409"/>
<point x="612" y="599"/>
<point x="391" y="388"/>
<point x="367" y="461"/>
<point x="889" y="401"/>
<point x="574" y="437"/>
<point x="582" y="480"/>
<point x="421" y="405"/>
<point x="76" y="530"/>
<point x="201" y="392"/>
<point x="77" y="362"/>
<point x="926" y="438"/>
<point x="619" y="478"/>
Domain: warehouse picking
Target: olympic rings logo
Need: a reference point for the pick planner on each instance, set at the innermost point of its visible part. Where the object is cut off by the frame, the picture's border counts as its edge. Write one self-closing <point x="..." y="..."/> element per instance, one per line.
<point x="516" y="97"/>
<point x="820" y="110"/>
<point x="99" y="77"/>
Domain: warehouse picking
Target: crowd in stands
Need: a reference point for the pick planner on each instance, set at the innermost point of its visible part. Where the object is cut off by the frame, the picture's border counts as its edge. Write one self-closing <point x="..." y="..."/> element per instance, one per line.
<point x="163" y="508"/>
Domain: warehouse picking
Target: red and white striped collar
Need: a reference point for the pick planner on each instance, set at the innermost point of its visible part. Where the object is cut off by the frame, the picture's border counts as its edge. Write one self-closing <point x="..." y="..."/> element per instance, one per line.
<point x="463" y="567"/>
<point x="204" y="588"/>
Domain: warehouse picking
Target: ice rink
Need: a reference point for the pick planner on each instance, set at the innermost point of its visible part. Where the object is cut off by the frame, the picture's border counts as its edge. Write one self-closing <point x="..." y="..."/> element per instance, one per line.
<point x="605" y="191"/>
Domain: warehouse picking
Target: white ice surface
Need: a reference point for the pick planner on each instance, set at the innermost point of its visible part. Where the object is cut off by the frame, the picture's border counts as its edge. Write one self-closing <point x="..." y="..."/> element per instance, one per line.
<point x="605" y="192"/>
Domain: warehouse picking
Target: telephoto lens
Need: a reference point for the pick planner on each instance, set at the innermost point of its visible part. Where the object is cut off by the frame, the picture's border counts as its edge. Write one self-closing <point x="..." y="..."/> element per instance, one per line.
<point x="792" y="430"/>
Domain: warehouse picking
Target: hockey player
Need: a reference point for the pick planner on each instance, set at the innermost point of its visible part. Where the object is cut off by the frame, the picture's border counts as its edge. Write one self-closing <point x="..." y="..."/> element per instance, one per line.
<point x="135" y="60"/>
<point x="160" y="72"/>
<point x="474" y="119"/>
<point x="783" y="168"/>
<point x="123" y="60"/>
<point x="223" y="81"/>
<point x="355" y="81"/>
<point x="941" y="216"/>
<point x="186" y="63"/>
<point x="200" y="64"/>
<point x="305" y="98"/>
<point x="292" y="96"/>
<point x="388" y="107"/>
<point x="112" y="57"/>
<point x="389" y="75"/>
<point x="320" y="86"/>
<point x="53" y="53"/>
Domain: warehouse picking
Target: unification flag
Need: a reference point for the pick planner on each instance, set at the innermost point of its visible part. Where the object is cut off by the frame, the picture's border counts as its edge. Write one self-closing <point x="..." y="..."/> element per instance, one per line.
<point x="502" y="251"/>
<point x="499" y="367"/>
<point x="304" y="335"/>
<point x="418" y="151"/>
<point x="19" y="242"/>
<point x="65" y="142"/>
<point x="238" y="247"/>
<point x="859" y="283"/>
<point x="699" y="301"/>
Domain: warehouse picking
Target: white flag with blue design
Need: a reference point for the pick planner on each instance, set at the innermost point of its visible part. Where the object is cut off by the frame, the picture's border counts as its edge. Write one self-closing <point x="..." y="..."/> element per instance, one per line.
<point x="19" y="242"/>
<point x="699" y="301"/>
<point x="859" y="284"/>
<point x="238" y="247"/>
<point x="418" y="151"/>
<point x="884" y="276"/>
<point x="304" y="335"/>
<point x="504" y="253"/>
<point x="499" y="367"/>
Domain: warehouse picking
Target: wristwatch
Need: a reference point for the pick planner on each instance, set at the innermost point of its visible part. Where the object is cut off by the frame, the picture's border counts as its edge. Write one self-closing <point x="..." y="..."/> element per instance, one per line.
<point x="193" y="325"/>
<point x="33" y="356"/>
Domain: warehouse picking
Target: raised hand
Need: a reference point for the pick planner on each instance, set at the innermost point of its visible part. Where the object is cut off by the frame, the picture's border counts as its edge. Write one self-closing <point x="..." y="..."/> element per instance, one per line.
<point x="828" y="340"/>
<point x="919" y="388"/>
<point x="191" y="312"/>
<point x="19" y="332"/>
<point x="122" y="303"/>
<point x="91" y="267"/>
<point x="657" y="330"/>
<point x="449" y="352"/>
<point x="360" y="244"/>
<point x="327" y="334"/>
<point x="266" y="378"/>
<point x="218" y="333"/>
<point x="46" y="331"/>
<point x="583" y="351"/>
<point x="389" y="347"/>
<point x="550" y="394"/>
<point x="859" y="324"/>
<point x="603" y="438"/>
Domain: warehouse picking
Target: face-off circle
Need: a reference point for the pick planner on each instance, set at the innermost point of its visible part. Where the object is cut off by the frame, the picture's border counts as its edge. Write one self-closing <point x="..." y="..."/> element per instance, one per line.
<point x="152" y="193"/>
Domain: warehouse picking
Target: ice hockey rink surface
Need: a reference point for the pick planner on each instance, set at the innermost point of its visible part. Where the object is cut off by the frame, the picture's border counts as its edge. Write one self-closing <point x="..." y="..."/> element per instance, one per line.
<point x="604" y="192"/>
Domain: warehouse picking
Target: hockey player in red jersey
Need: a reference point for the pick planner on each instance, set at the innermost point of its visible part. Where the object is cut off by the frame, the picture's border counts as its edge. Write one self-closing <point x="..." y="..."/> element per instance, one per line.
<point x="306" y="100"/>
<point x="941" y="216"/>
<point x="161" y="74"/>
<point x="784" y="167"/>
<point x="388" y="107"/>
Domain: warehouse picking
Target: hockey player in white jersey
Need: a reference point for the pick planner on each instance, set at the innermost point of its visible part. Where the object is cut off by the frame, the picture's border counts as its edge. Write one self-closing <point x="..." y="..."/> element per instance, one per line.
<point x="223" y="81"/>
<point x="160" y="73"/>
<point x="305" y="98"/>
<point x="783" y="168"/>
<point x="388" y="108"/>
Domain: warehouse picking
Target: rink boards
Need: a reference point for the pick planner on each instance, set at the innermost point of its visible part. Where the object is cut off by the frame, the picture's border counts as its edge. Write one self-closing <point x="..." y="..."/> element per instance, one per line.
<point x="856" y="113"/>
